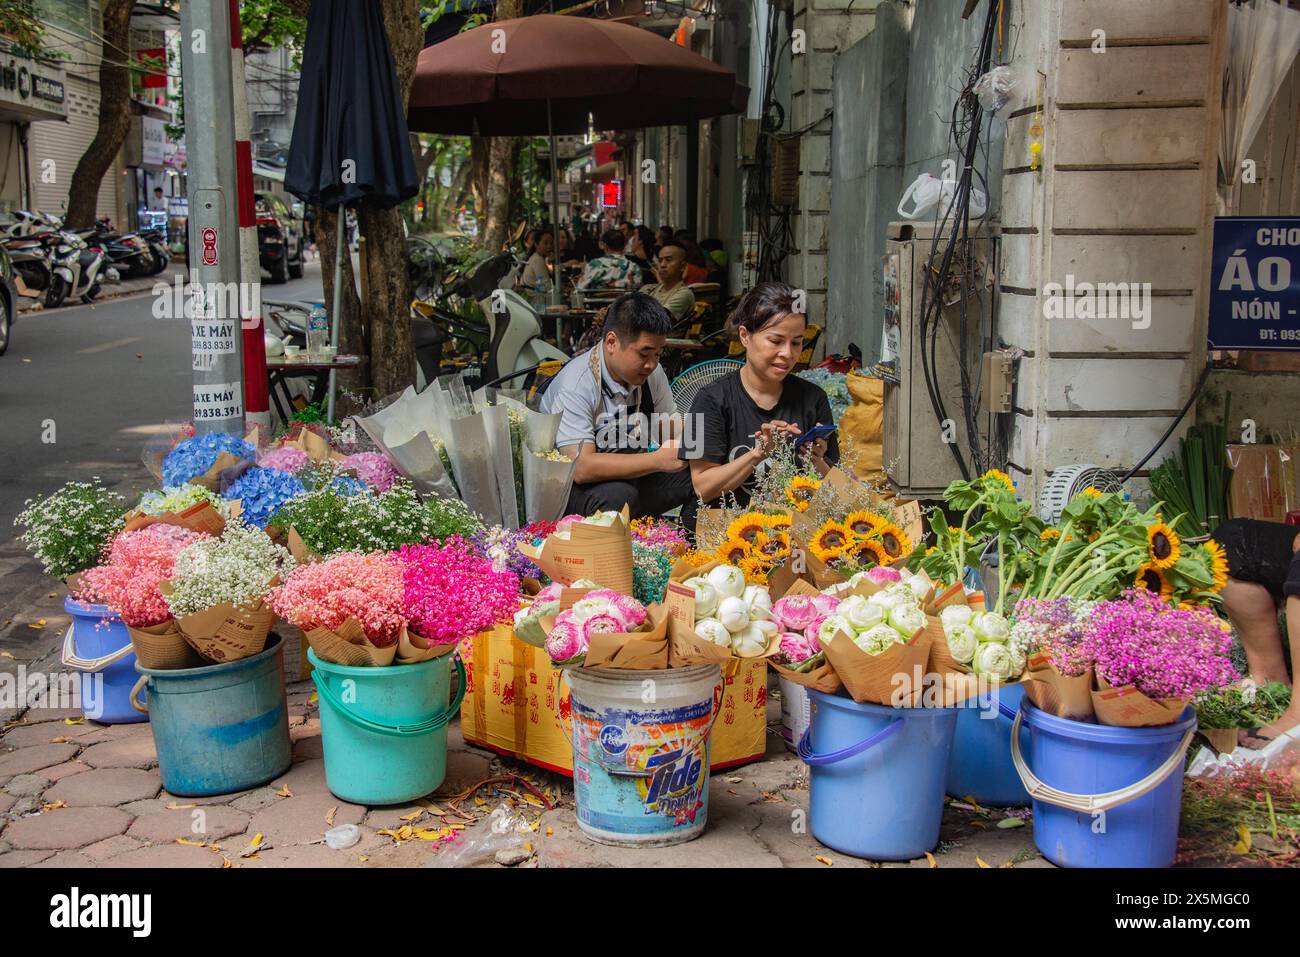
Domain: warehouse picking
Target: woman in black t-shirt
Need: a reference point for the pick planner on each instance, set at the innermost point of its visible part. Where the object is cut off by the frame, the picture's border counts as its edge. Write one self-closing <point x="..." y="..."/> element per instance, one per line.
<point x="742" y="412"/>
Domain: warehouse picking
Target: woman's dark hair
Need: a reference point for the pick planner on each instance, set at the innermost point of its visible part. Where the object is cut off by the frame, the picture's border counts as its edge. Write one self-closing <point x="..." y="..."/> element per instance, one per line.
<point x="648" y="243"/>
<point x="765" y="303"/>
<point x="634" y="313"/>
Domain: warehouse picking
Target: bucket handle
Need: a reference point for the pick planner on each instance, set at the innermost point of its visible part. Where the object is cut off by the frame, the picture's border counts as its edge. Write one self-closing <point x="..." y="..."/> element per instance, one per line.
<point x="813" y="759"/>
<point x="719" y="692"/>
<point x="140" y="704"/>
<point x="394" y="730"/>
<point x="71" y="660"/>
<point x="1089" y="803"/>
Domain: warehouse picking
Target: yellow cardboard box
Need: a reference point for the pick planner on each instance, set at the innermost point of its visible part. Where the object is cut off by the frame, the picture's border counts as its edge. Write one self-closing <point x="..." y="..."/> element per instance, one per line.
<point x="510" y="705"/>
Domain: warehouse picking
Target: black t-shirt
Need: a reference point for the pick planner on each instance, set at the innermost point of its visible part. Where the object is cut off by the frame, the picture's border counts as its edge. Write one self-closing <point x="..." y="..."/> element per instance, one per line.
<point x="730" y="417"/>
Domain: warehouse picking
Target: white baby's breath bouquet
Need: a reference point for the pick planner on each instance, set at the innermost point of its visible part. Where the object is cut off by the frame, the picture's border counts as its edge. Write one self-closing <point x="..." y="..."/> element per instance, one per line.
<point x="68" y="530"/>
<point x="236" y="569"/>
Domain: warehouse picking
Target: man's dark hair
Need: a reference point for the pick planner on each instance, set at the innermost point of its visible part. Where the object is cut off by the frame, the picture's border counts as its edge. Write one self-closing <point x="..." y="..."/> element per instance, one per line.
<point x="672" y="244"/>
<point x="634" y="314"/>
<point x="710" y="245"/>
<point x="614" y="240"/>
<point x="767" y="302"/>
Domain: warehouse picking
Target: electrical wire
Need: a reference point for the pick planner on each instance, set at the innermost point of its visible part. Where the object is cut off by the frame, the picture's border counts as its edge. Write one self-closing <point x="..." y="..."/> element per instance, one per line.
<point x="1196" y="390"/>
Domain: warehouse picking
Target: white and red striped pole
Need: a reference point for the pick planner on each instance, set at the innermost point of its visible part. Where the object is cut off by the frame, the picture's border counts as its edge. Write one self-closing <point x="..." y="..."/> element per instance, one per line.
<point x="256" y="393"/>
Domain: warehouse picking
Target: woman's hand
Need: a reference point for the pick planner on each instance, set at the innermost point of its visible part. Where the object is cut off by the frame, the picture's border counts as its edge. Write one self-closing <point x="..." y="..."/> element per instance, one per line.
<point x="765" y="437"/>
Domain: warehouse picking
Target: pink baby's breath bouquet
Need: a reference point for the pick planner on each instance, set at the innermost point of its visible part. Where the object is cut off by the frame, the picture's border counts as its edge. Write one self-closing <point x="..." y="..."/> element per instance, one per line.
<point x="128" y="580"/>
<point x="1150" y="658"/>
<point x="349" y="606"/>
<point x="449" y="593"/>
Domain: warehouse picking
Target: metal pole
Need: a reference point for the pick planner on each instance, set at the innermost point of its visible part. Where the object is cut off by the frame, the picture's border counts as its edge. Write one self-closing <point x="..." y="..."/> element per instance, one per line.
<point x="337" y="311"/>
<point x="217" y="348"/>
<point x="555" y="221"/>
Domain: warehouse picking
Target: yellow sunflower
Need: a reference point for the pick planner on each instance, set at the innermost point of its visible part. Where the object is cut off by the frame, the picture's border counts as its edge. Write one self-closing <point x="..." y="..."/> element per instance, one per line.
<point x="1091" y="492"/>
<point x="733" y="551"/>
<point x="956" y="530"/>
<point x="801" y="490"/>
<point x="1164" y="544"/>
<point x="829" y="541"/>
<point x="747" y="527"/>
<point x="1218" y="563"/>
<point x="1002" y="477"/>
<point x="864" y="524"/>
<point x="1150" y="577"/>
<point x="780" y="522"/>
<point x="866" y="552"/>
<point x="895" y="544"/>
<point x="773" y="547"/>
<point x="1048" y="534"/>
<point x="755" y="570"/>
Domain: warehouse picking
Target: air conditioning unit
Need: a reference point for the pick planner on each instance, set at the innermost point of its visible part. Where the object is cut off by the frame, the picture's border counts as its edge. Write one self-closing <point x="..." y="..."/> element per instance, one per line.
<point x="916" y="443"/>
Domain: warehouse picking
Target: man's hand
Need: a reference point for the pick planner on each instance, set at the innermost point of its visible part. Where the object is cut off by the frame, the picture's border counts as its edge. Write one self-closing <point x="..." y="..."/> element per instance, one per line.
<point x="667" y="458"/>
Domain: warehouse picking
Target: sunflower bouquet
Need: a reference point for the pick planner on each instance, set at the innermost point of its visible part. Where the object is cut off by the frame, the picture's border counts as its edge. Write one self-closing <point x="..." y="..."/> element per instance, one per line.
<point x="757" y="543"/>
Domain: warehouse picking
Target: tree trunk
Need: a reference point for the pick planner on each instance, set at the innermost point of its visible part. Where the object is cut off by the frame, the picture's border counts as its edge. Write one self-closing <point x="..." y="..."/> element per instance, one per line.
<point x="114" y="116"/>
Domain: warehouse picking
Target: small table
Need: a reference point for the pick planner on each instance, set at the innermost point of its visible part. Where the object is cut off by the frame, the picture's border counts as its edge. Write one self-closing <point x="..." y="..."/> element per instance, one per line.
<point x="280" y="369"/>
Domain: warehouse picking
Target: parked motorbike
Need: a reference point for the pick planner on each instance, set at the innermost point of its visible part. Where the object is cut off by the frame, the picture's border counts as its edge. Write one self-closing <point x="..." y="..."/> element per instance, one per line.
<point x="38" y="273"/>
<point x="157" y="242"/>
<point x="87" y="264"/>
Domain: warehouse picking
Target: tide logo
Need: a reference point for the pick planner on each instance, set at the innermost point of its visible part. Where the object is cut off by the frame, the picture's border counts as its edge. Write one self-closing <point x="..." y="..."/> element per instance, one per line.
<point x="675" y="780"/>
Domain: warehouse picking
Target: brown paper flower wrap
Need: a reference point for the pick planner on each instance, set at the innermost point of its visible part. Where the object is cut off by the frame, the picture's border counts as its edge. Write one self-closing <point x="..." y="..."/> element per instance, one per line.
<point x="317" y="449"/>
<point x="1061" y="695"/>
<point x="593" y="552"/>
<point x="685" y="647"/>
<point x="350" y="646"/>
<point x="893" y="677"/>
<point x="163" y="647"/>
<point x="302" y="552"/>
<point x="199" y="517"/>
<point x="211" y="479"/>
<point x="413" y="648"/>
<point x="1127" y="707"/>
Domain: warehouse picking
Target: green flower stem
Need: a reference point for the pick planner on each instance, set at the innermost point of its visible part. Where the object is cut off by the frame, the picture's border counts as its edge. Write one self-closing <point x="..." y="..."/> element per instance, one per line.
<point x="961" y="538"/>
<point x="1070" y="585"/>
<point x="1049" y="588"/>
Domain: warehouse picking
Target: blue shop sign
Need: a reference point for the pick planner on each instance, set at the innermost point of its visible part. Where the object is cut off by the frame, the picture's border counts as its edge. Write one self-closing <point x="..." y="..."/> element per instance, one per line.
<point x="1255" y="283"/>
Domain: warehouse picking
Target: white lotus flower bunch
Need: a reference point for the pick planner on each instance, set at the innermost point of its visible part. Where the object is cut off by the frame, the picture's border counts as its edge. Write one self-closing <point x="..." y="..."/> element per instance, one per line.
<point x="982" y="640"/>
<point x="732" y="614"/>
<point x="876" y="623"/>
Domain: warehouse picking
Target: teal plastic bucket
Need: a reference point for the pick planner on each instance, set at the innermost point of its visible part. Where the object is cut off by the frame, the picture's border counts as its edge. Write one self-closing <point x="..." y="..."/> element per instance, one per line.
<point x="641" y="752"/>
<point x="384" y="730"/>
<point x="1103" y="796"/>
<point x="878" y="776"/>
<point x="218" y="728"/>
<point x="980" y="766"/>
<point x="98" y="647"/>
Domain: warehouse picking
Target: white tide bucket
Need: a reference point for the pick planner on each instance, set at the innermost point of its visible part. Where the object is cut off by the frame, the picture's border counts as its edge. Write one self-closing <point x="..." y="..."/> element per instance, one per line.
<point x="641" y="752"/>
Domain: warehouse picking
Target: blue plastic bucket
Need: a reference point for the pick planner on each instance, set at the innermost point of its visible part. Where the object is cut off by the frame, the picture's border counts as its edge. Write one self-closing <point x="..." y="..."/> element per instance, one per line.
<point x="878" y="776"/>
<point x="1104" y="796"/>
<point x="219" y="728"/>
<point x="384" y="730"/>
<point x="980" y="766"/>
<point x="98" y="646"/>
<point x="641" y="752"/>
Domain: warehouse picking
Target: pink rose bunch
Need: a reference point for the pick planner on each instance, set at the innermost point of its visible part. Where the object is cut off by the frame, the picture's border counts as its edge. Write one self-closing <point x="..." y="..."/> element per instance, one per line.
<point x="550" y="593"/>
<point x="1165" y="652"/>
<point x="566" y="644"/>
<point x="451" y="592"/>
<point x="601" y="611"/>
<point x="136" y="563"/>
<point x="284" y="459"/>
<point x="367" y="587"/>
<point x="826" y="604"/>
<point x="372" y="468"/>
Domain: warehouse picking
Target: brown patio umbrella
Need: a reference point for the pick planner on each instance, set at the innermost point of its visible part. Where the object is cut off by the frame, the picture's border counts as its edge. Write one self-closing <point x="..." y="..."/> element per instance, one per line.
<point x="498" y="79"/>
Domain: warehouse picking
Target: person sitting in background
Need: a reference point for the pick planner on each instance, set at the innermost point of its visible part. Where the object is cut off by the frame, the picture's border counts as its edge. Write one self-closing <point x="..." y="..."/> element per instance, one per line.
<point x="612" y="270"/>
<point x="530" y="242"/>
<point x="664" y="235"/>
<point x="641" y="251"/>
<point x="536" y="269"/>
<point x="606" y="397"/>
<point x="1263" y="560"/>
<point x="568" y="258"/>
<point x="697" y="268"/>
<point x="717" y="255"/>
<point x="670" y="290"/>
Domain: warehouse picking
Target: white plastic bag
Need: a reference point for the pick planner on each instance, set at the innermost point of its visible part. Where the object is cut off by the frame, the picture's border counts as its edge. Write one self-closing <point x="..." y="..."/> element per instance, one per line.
<point x="926" y="192"/>
<point x="994" y="88"/>
<point x="507" y="829"/>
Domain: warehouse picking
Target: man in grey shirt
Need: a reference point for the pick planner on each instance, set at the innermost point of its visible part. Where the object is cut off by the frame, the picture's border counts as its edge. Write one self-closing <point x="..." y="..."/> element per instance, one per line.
<point x="615" y="405"/>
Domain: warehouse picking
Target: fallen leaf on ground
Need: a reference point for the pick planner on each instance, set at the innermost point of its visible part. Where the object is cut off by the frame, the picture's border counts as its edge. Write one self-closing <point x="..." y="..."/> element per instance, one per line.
<point x="284" y="792"/>
<point x="52" y="594"/>
<point x="61" y="739"/>
<point x="825" y="860"/>
<point x="54" y="806"/>
<point x="363" y="858"/>
<point x="1009" y="822"/>
<point x="225" y="862"/>
<point x="329" y="818"/>
<point x="983" y="863"/>
<point x="550" y="831"/>
<point x="315" y="697"/>
<point x="255" y="845"/>
<point x="1243" y="840"/>
<point x="930" y="857"/>
<point x="734" y="780"/>
<point x="74" y="720"/>
<point x="188" y="843"/>
<point x="413" y="816"/>
<point x="7" y="654"/>
<point x="180" y="807"/>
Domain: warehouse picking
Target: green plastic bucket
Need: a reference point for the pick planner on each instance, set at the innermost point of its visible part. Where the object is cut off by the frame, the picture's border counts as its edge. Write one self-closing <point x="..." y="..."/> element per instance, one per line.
<point x="384" y="730"/>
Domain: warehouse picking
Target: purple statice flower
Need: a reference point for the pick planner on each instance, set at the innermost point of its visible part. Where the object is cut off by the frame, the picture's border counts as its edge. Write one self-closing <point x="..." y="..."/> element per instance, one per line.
<point x="1052" y="626"/>
<point x="1165" y="652"/>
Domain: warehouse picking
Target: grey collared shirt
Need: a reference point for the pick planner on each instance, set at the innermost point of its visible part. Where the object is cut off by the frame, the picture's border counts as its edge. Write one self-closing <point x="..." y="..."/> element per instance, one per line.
<point x="584" y="406"/>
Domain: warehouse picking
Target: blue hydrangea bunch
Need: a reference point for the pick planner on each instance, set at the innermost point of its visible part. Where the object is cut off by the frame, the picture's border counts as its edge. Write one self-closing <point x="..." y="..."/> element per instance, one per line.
<point x="192" y="457"/>
<point x="347" y="485"/>
<point x="261" y="491"/>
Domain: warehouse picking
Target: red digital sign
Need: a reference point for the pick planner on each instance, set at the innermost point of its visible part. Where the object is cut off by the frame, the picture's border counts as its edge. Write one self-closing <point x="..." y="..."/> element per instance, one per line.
<point x="611" y="193"/>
